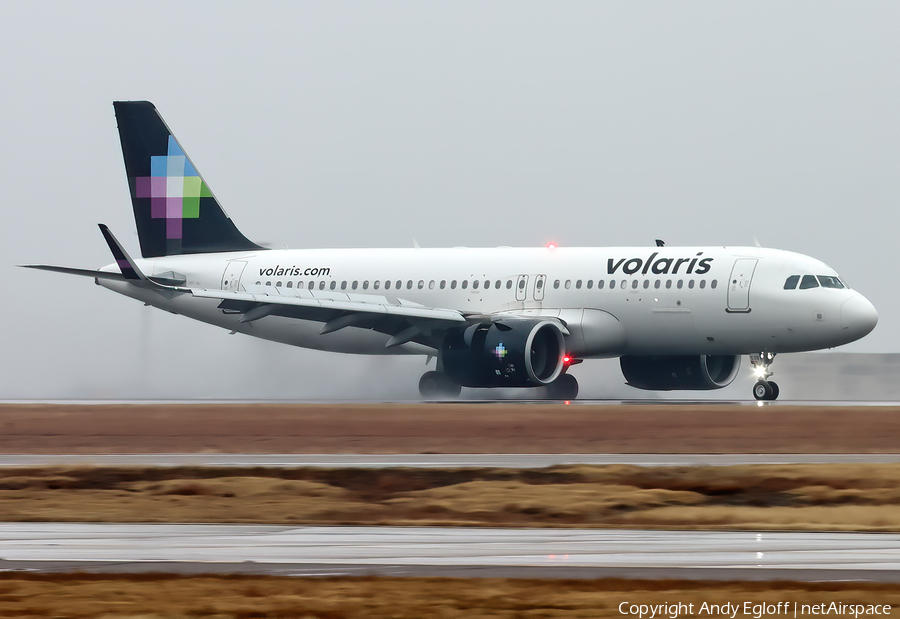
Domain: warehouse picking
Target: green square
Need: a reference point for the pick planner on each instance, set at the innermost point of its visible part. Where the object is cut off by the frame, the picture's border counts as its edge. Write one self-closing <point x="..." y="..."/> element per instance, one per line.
<point x="190" y="208"/>
<point x="204" y="191"/>
<point x="191" y="187"/>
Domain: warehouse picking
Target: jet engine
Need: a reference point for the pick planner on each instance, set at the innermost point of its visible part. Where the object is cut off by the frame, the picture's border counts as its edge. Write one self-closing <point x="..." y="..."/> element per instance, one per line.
<point x="513" y="352"/>
<point x="674" y="373"/>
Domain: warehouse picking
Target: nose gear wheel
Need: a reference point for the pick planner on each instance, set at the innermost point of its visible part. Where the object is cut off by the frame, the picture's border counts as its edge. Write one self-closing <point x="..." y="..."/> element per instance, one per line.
<point x="764" y="389"/>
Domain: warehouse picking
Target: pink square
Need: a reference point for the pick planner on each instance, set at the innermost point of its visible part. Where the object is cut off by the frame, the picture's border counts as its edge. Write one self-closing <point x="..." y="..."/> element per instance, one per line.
<point x="158" y="187"/>
<point x="158" y="208"/>
<point x="173" y="228"/>
<point x="142" y="186"/>
<point x="173" y="208"/>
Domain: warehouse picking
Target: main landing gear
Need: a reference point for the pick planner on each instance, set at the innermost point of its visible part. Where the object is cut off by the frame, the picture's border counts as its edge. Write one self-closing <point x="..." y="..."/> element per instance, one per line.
<point x="563" y="388"/>
<point x="764" y="389"/>
<point x="437" y="385"/>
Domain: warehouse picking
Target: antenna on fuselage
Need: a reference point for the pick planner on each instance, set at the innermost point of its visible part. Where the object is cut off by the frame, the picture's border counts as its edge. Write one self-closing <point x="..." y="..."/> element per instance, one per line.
<point x="660" y="243"/>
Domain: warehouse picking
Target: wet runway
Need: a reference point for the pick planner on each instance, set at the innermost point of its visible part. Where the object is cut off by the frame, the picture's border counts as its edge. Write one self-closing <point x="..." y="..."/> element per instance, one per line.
<point x="540" y="553"/>
<point x="434" y="460"/>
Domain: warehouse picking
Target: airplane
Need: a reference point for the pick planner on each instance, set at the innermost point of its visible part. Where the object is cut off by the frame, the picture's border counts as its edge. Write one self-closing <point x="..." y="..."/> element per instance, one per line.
<point x="678" y="318"/>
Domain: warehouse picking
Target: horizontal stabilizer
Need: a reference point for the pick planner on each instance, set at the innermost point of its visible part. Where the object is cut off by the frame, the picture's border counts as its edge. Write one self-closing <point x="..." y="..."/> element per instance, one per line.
<point x="73" y="271"/>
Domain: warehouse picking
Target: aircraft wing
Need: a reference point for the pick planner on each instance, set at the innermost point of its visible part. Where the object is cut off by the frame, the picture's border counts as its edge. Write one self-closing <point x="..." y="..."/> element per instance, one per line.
<point x="403" y="320"/>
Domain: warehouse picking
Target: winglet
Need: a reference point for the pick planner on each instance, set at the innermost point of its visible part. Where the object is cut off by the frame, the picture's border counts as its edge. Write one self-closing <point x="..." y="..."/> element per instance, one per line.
<point x="126" y="264"/>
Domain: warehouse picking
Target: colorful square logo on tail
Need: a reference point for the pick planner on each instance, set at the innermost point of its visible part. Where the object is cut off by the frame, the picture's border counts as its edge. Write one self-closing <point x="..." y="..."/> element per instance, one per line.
<point x="174" y="189"/>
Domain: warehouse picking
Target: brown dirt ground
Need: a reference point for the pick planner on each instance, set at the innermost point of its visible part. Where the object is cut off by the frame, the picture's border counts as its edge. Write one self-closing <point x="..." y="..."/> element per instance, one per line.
<point x="833" y="497"/>
<point x="247" y="597"/>
<point x="446" y="428"/>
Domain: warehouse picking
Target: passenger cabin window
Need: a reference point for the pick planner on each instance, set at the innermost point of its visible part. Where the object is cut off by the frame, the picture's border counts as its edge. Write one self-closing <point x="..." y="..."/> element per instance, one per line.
<point x="354" y="285"/>
<point x="690" y="283"/>
<point x="791" y="282"/>
<point x="289" y="284"/>
<point x="465" y="284"/>
<point x="269" y="283"/>
<point x="333" y="285"/>
<point x="421" y="284"/>
<point x="829" y="281"/>
<point x="713" y="284"/>
<point x="453" y="284"/>
<point x="509" y="284"/>
<point x="497" y="284"/>
<point x="299" y="284"/>
<point x="556" y="284"/>
<point x="322" y="285"/>
<point x="431" y="285"/>
<point x="590" y="284"/>
<point x="443" y="284"/>
<point x="278" y="284"/>
<point x="568" y="284"/>
<point x="343" y="285"/>
<point x="375" y="284"/>
<point x="600" y="283"/>
<point x="387" y="284"/>
<point x="808" y="281"/>
<point x="366" y="285"/>
<point x="634" y="284"/>
<point x="409" y="285"/>
<point x="703" y="283"/>
<point x="475" y="284"/>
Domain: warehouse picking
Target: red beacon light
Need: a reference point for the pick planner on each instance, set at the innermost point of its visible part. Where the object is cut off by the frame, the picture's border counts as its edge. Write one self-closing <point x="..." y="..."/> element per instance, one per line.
<point x="551" y="246"/>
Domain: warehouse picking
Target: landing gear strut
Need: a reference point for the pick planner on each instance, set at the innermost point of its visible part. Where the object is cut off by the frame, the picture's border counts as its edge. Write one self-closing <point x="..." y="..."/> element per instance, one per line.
<point x="764" y="389"/>
<point x="436" y="385"/>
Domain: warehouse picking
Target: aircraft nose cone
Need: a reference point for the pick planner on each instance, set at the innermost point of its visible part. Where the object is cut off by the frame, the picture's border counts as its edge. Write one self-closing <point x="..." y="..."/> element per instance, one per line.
<point x="858" y="316"/>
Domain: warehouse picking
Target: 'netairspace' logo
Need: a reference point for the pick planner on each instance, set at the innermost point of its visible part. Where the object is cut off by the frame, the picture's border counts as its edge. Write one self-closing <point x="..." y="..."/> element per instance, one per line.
<point x="750" y="609"/>
<point x="661" y="266"/>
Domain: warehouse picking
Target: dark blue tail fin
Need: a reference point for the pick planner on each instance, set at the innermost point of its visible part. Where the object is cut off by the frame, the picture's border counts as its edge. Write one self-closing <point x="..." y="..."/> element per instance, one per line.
<point x="174" y="209"/>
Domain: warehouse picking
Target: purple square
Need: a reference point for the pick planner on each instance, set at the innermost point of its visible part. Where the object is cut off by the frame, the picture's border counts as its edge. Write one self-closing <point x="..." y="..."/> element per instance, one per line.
<point x="173" y="208"/>
<point x="173" y="228"/>
<point x="158" y="208"/>
<point x="142" y="186"/>
<point x="158" y="186"/>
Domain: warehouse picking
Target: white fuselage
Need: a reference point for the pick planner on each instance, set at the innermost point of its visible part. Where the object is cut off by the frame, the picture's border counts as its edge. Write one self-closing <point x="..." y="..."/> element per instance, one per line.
<point x="615" y="301"/>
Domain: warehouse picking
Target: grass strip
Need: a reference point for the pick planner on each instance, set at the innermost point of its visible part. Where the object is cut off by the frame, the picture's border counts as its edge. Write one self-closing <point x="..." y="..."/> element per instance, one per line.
<point x="833" y="497"/>
<point x="154" y="596"/>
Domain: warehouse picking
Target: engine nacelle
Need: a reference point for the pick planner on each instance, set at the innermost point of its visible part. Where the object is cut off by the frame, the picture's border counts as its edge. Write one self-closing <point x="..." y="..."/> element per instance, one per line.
<point x="514" y="352"/>
<point x="673" y="373"/>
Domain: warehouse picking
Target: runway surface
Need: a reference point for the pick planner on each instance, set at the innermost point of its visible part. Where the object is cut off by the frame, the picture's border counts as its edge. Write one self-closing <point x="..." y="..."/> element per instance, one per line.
<point x="433" y="460"/>
<point x="420" y="551"/>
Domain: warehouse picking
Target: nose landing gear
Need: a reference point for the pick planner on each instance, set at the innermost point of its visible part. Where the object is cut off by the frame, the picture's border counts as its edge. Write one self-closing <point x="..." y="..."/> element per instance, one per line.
<point x="764" y="389"/>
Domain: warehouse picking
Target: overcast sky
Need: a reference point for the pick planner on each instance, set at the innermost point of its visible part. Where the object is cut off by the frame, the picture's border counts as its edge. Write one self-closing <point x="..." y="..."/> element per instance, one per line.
<point x="335" y="124"/>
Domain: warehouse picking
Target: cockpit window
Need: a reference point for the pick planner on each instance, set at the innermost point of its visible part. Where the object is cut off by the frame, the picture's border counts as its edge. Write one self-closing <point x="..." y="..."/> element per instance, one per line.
<point x="808" y="281"/>
<point x="791" y="282"/>
<point x="830" y="281"/>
